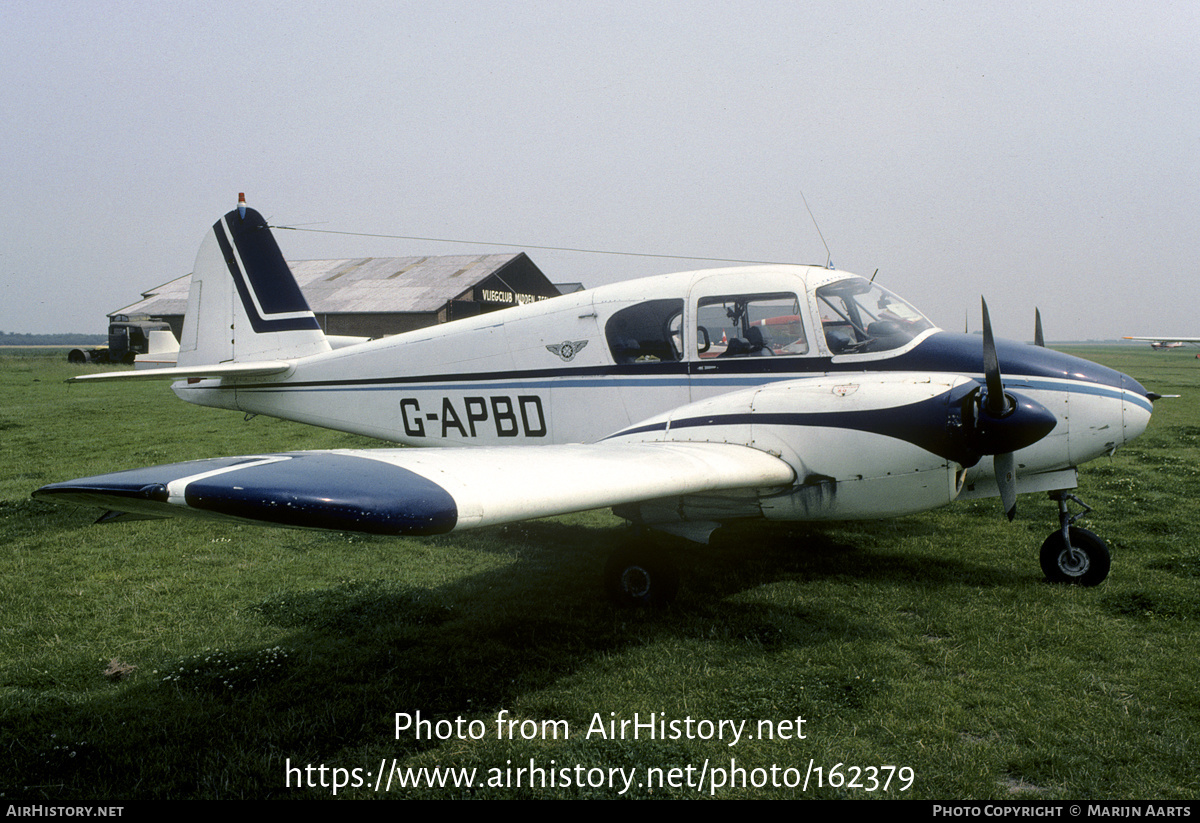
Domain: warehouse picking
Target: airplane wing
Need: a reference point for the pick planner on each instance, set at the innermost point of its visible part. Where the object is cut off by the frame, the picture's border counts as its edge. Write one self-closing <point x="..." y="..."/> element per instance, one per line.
<point x="424" y="491"/>
<point x="253" y="369"/>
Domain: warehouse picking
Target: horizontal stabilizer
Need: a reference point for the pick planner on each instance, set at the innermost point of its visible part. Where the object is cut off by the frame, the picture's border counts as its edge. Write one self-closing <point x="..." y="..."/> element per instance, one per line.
<point x="257" y="369"/>
<point x="420" y="491"/>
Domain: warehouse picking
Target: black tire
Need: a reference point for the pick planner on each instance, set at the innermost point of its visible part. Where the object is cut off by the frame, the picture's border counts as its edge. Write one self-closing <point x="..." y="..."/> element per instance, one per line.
<point x="77" y="357"/>
<point x="1084" y="563"/>
<point x="640" y="576"/>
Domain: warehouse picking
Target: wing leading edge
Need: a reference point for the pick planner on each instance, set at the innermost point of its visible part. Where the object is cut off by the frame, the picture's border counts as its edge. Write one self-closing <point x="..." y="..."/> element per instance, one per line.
<point x="421" y="492"/>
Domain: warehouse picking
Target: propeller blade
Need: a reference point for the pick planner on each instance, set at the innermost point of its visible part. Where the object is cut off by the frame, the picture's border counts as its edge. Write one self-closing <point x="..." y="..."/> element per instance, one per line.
<point x="994" y="403"/>
<point x="1006" y="478"/>
<point x="1038" y="339"/>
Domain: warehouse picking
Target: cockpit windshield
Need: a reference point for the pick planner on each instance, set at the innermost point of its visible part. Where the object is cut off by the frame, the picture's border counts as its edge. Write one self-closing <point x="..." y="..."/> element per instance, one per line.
<point x="858" y="316"/>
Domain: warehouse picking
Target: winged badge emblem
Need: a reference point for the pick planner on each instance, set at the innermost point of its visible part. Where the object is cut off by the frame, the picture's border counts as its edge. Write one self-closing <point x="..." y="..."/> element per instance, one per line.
<point x="567" y="349"/>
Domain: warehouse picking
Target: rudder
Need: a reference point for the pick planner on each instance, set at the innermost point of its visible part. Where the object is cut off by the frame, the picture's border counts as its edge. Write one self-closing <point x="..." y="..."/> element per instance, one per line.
<point x="244" y="304"/>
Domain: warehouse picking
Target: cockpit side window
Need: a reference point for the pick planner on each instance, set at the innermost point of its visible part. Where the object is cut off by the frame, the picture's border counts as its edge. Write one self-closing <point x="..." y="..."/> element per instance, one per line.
<point x="750" y="325"/>
<point x="858" y="316"/>
<point x="646" y="333"/>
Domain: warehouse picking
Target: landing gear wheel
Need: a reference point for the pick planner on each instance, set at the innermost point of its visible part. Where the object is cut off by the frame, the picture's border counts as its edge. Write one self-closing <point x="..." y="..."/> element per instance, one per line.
<point x="1085" y="562"/>
<point x="637" y="576"/>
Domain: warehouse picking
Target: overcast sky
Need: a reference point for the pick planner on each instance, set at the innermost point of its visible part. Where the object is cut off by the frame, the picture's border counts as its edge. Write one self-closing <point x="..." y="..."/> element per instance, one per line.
<point x="1037" y="153"/>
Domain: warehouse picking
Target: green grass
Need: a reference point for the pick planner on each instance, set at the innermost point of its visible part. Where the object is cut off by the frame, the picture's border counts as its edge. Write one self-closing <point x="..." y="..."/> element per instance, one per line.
<point x="929" y="642"/>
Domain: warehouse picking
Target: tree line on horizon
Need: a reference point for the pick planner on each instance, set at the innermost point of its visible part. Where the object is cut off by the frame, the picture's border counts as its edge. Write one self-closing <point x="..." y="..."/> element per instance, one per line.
<point x="64" y="339"/>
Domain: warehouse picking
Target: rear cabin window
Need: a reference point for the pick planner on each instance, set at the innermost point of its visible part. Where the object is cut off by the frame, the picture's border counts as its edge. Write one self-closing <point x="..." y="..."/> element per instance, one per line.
<point x="750" y="325"/>
<point x="649" y="332"/>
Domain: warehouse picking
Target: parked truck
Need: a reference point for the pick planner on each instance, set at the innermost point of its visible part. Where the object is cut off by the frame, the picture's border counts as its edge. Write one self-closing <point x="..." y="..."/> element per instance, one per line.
<point x="128" y="336"/>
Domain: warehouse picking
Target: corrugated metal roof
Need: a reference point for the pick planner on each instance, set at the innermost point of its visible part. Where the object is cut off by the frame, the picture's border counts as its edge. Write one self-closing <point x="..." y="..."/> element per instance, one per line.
<point x="358" y="285"/>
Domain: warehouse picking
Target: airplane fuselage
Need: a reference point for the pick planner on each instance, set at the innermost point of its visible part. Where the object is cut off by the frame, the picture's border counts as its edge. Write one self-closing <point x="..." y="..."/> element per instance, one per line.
<point x="596" y="364"/>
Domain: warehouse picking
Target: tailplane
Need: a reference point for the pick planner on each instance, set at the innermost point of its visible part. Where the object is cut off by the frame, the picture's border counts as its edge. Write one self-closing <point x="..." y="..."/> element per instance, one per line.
<point x="244" y="305"/>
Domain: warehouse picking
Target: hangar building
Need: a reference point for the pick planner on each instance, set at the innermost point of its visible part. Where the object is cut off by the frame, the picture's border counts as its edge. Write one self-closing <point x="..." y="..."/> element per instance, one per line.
<point x="377" y="296"/>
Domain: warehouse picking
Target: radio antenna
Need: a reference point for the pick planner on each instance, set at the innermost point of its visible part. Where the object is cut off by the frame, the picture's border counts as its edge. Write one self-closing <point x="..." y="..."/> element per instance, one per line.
<point x="828" y="256"/>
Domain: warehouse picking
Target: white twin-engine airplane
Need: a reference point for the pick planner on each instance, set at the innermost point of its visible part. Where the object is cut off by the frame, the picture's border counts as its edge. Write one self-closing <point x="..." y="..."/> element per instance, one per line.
<point x="684" y="402"/>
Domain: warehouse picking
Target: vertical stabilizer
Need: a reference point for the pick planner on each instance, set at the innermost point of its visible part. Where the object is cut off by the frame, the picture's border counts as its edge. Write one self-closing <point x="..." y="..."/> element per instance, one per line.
<point x="244" y="303"/>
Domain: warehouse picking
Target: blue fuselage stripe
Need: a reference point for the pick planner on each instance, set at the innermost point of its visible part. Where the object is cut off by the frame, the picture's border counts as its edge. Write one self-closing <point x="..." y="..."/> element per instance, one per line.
<point x="652" y="382"/>
<point x="943" y="353"/>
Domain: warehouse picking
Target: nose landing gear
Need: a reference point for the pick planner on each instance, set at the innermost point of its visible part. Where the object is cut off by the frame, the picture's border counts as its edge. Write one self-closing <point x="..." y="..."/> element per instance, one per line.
<point x="1073" y="554"/>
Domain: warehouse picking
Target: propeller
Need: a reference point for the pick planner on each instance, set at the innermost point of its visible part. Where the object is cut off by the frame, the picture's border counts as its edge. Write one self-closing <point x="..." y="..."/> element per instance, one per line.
<point x="994" y="401"/>
<point x="1038" y="338"/>
<point x="1005" y="422"/>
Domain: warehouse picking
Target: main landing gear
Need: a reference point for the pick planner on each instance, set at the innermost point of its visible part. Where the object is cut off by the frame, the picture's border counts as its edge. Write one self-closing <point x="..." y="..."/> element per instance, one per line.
<point x="1072" y="554"/>
<point x="641" y="574"/>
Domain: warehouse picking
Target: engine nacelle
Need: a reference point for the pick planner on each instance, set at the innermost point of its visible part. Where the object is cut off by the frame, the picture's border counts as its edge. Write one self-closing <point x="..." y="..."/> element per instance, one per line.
<point x="863" y="446"/>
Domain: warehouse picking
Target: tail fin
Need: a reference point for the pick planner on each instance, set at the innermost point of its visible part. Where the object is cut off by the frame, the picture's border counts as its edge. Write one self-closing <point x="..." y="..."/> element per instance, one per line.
<point x="244" y="304"/>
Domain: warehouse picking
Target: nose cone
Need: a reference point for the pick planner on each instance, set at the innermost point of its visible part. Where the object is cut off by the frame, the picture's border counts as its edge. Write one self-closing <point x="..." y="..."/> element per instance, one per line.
<point x="1107" y="409"/>
<point x="1136" y="408"/>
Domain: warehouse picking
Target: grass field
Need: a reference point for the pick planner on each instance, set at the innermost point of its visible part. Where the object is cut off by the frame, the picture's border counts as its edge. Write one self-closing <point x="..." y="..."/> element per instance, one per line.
<point x="165" y="659"/>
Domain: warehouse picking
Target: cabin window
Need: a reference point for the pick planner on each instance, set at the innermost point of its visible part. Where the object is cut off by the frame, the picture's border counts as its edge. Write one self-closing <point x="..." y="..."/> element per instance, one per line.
<point x="750" y="325"/>
<point x="857" y="316"/>
<point x="649" y="332"/>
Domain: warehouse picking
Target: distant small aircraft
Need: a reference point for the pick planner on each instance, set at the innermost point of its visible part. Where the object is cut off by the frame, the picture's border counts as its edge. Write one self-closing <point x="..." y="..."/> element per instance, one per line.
<point x="684" y="402"/>
<point x="1166" y="342"/>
